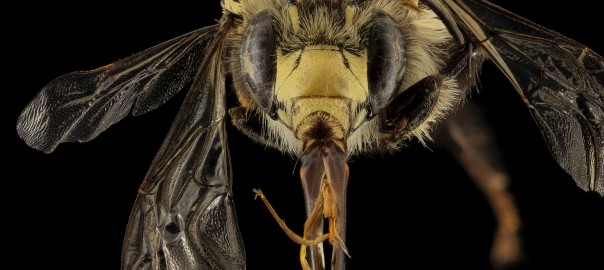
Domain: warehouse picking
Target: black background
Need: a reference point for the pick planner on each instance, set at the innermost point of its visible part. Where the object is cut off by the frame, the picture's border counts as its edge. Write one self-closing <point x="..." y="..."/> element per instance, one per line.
<point x="413" y="210"/>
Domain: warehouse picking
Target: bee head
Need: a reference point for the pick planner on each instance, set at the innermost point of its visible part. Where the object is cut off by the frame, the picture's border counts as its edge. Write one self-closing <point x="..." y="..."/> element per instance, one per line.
<point x="320" y="72"/>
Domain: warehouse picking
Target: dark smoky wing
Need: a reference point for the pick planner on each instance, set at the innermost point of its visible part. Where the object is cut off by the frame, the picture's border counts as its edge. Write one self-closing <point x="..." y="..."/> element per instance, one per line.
<point x="184" y="216"/>
<point x="560" y="80"/>
<point x="78" y="106"/>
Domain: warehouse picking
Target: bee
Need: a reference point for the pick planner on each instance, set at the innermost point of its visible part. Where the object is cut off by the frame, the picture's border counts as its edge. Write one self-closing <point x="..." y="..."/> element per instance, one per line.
<point x="323" y="81"/>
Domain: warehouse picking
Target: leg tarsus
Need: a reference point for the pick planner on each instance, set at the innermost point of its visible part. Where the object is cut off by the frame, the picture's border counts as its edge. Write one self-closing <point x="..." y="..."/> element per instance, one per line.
<point x="470" y="140"/>
<point x="312" y="173"/>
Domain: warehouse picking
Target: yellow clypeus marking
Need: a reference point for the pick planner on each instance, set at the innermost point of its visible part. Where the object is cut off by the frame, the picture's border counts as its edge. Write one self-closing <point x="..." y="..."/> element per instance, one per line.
<point x="321" y="78"/>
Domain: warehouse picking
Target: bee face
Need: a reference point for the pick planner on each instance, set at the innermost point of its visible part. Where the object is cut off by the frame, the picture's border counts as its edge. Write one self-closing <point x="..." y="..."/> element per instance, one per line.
<point x="322" y="71"/>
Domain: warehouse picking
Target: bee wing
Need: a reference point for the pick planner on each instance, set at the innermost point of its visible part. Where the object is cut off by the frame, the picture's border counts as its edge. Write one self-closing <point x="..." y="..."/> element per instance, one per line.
<point x="560" y="80"/>
<point x="78" y="106"/>
<point x="184" y="217"/>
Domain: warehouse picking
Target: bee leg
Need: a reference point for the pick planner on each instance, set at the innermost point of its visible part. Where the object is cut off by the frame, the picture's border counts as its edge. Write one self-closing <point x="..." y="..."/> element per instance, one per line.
<point x="467" y="136"/>
<point x="312" y="174"/>
<point x="324" y="175"/>
<point x="250" y="124"/>
<point x="410" y="108"/>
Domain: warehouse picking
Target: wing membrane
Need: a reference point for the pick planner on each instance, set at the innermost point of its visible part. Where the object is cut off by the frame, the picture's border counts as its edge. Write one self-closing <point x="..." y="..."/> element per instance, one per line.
<point x="184" y="217"/>
<point x="560" y="80"/>
<point x="79" y="106"/>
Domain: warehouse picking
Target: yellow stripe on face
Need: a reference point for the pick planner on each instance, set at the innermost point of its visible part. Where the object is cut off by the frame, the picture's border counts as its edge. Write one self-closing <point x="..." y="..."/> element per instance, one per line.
<point x="321" y="70"/>
<point x="323" y="78"/>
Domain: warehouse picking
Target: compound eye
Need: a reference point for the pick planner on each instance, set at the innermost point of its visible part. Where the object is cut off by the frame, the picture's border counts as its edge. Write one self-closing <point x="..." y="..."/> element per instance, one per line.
<point x="258" y="59"/>
<point x="386" y="61"/>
